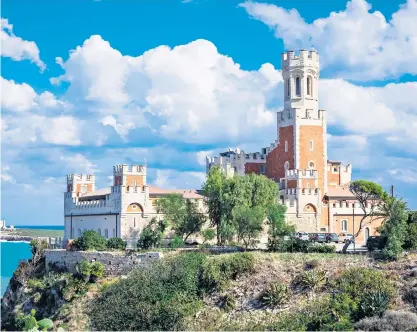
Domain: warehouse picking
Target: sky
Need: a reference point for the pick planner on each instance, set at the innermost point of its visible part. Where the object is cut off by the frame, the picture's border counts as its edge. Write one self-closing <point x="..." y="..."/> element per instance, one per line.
<point x="87" y="84"/>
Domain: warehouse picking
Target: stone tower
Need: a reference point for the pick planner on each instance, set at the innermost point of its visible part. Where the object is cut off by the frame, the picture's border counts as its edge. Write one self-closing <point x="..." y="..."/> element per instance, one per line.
<point x="299" y="161"/>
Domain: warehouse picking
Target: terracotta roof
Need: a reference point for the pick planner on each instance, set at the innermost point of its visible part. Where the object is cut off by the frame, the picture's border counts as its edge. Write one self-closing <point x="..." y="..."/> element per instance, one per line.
<point x="187" y="193"/>
<point x="339" y="192"/>
<point x="98" y="192"/>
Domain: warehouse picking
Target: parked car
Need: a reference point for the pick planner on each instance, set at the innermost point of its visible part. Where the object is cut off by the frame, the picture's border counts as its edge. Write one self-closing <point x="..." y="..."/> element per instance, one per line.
<point x="319" y="237"/>
<point x="332" y="237"/>
<point x="376" y="242"/>
<point x="343" y="237"/>
<point x="303" y="236"/>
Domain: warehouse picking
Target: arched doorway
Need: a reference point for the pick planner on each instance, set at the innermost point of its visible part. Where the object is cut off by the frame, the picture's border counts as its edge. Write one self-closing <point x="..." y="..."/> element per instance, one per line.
<point x="367" y="233"/>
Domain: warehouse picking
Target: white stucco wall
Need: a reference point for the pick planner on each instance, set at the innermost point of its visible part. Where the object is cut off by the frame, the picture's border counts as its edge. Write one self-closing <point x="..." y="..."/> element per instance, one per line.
<point x="92" y="222"/>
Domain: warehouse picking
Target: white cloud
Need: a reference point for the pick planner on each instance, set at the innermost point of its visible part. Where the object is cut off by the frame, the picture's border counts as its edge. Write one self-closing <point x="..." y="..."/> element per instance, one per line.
<point x="404" y="175"/>
<point x="78" y="163"/>
<point x="5" y="175"/>
<point x="358" y="43"/>
<point x="189" y="93"/>
<point x="173" y="179"/>
<point x="16" y="48"/>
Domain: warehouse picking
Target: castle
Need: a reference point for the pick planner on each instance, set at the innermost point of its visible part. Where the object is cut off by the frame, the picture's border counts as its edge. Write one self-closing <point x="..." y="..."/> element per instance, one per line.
<point x="314" y="189"/>
<point x="122" y="210"/>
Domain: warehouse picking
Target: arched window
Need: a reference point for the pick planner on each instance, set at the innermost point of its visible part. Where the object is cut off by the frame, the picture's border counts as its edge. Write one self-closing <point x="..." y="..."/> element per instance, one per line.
<point x="286" y="165"/>
<point x="311" y="145"/>
<point x="311" y="165"/>
<point x="344" y="225"/>
<point x="79" y="232"/>
<point x="367" y="233"/>
<point x="288" y="87"/>
<point x="309" y="86"/>
<point x="286" y="146"/>
<point x="297" y="87"/>
<point x="99" y="231"/>
<point x="106" y="233"/>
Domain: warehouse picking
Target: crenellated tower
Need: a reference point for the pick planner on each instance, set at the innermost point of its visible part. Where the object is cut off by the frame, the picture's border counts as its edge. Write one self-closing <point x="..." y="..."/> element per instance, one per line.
<point x="299" y="160"/>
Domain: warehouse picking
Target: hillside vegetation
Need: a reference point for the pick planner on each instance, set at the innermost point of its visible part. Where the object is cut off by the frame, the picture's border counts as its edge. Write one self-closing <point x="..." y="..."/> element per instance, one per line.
<point x="242" y="291"/>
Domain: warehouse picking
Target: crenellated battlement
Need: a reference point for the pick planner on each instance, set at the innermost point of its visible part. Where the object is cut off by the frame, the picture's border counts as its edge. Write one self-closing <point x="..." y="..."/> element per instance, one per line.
<point x="137" y="189"/>
<point x="295" y="174"/>
<point x="90" y="204"/>
<point x="132" y="170"/>
<point x="303" y="58"/>
<point x="80" y="177"/>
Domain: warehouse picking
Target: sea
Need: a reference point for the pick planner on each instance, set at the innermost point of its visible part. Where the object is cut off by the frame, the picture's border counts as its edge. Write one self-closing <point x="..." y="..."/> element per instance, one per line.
<point x="13" y="252"/>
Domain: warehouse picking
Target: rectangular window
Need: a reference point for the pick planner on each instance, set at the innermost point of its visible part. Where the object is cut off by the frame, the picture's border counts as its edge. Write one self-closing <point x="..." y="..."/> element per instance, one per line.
<point x="114" y="232"/>
<point x="83" y="188"/>
<point x="311" y="145"/>
<point x="262" y="169"/>
<point x="134" y="183"/>
<point x="286" y="146"/>
<point x="106" y="233"/>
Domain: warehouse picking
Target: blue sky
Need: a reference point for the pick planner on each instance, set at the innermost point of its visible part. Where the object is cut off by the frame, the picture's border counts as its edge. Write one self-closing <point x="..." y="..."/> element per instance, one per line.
<point x="89" y="84"/>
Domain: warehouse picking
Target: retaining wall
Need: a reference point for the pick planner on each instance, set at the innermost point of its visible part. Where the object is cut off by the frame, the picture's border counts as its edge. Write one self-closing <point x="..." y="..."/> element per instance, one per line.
<point x="115" y="263"/>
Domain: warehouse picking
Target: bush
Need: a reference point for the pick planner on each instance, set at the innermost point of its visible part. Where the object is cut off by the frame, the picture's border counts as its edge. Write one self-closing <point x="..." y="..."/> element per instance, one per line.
<point x="276" y="294"/>
<point x="390" y="321"/>
<point x="84" y="269"/>
<point x="313" y="279"/>
<point x="373" y="304"/>
<point x="36" y="284"/>
<point x="97" y="269"/>
<point x="157" y="297"/>
<point x="75" y="288"/>
<point x="177" y="242"/>
<point x="312" y="264"/>
<point x="217" y="271"/>
<point x="46" y="324"/>
<point x="38" y="247"/>
<point x="90" y="240"/>
<point x="228" y="303"/>
<point x="208" y="234"/>
<point x="116" y="243"/>
<point x="90" y="271"/>
<point x="152" y="234"/>
<point x="297" y="245"/>
<point x="355" y="280"/>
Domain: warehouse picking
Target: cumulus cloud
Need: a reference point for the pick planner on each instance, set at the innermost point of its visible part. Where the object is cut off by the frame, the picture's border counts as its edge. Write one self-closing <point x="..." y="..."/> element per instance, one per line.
<point x="16" y="48"/>
<point x="357" y="43"/>
<point x="189" y="93"/>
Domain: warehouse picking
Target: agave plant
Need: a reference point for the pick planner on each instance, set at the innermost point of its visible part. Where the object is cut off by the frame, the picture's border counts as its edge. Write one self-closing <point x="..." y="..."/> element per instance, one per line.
<point x="276" y="294"/>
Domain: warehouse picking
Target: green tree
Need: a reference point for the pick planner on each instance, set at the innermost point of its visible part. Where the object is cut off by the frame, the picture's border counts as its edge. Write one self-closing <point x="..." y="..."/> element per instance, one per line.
<point x="208" y="234"/>
<point x="152" y="234"/>
<point x="371" y="198"/>
<point x="213" y="191"/>
<point x="91" y="240"/>
<point x="249" y="224"/>
<point x="394" y="228"/>
<point x="276" y="222"/>
<point x="193" y="222"/>
<point x="263" y="192"/>
<point x="116" y="243"/>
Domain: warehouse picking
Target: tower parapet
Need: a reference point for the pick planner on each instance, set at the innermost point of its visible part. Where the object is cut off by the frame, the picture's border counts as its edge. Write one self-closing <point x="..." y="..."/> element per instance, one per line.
<point x="133" y="176"/>
<point x="81" y="183"/>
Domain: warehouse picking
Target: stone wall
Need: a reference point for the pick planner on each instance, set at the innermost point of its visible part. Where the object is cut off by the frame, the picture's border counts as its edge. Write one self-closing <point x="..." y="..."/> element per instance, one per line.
<point x="115" y="263"/>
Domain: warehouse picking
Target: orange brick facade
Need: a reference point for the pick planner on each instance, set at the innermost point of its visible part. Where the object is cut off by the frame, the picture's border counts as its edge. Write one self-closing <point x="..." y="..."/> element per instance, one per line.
<point x="254" y="168"/>
<point x="276" y="159"/>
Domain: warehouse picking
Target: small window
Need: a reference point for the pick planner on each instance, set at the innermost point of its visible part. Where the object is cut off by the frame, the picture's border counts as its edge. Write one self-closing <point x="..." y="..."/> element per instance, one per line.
<point x="106" y="233"/>
<point x="297" y="87"/>
<point x="335" y="169"/>
<point x="83" y="188"/>
<point x="286" y="146"/>
<point x="309" y="87"/>
<point x="311" y="165"/>
<point x="311" y="145"/>
<point x="288" y="87"/>
<point x="286" y="165"/>
<point x="134" y="207"/>
<point x="99" y="231"/>
<point x="344" y="225"/>
<point x="262" y="171"/>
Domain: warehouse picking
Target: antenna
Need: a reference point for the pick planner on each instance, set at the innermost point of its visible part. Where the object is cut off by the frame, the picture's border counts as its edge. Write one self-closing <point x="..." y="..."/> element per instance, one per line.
<point x="392" y="191"/>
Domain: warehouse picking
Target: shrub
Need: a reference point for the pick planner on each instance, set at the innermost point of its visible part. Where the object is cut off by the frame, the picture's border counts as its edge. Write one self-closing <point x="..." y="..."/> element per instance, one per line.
<point x="390" y="321"/>
<point x="75" y="288"/>
<point x="116" y="243"/>
<point x="177" y="242"/>
<point x="36" y="284"/>
<point x="91" y="240"/>
<point x="322" y="248"/>
<point x="157" y="297"/>
<point x="410" y="242"/>
<point x="313" y="279"/>
<point x="238" y="264"/>
<point x="228" y="303"/>
<point x="275" y="294"/>
<point x="38" y="247"/>
<point x="212" y="278"/>
<point x="208" y="234"/>
<point x="355" y="280"/>
<point x="97" y="269"/>
<point x="152" y="234"/>
<point x="373" y="304"/>
<point x="84" y="269"/>
<point x="46" y="324"/>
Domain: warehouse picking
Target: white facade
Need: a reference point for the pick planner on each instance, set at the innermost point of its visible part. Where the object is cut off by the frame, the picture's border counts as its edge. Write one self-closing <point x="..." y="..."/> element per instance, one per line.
<point x="123" y="210"/>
